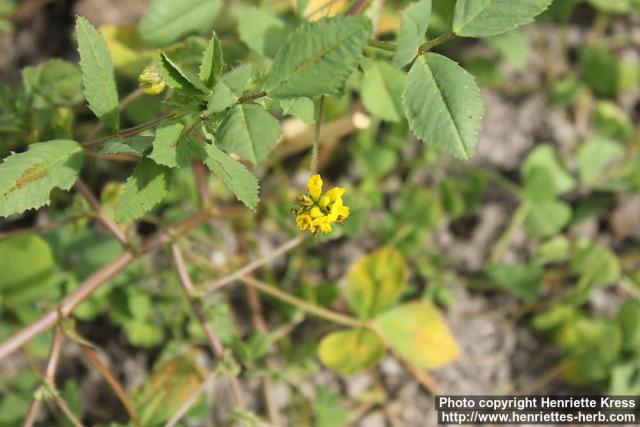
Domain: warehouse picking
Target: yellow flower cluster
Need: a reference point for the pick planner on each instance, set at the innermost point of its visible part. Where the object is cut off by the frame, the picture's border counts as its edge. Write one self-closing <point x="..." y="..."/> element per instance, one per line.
<point x="151" y="80"/>
<point x="319" y="210"/>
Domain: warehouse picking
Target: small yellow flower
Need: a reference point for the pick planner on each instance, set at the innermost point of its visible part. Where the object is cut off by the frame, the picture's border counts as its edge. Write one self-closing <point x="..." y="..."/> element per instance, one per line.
<point x="151" y="80"/>
<point x="317" y="210"/>
<point x="303" y="221"/>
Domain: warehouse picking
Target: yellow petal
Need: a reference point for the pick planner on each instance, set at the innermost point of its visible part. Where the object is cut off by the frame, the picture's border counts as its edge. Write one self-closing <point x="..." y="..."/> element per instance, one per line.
<point x="316" y="212"/>
<point x="315" y="186"/>
<point x="335" y="193"/>
<point x="303" y="221"/>
<point x="324" y="201"/>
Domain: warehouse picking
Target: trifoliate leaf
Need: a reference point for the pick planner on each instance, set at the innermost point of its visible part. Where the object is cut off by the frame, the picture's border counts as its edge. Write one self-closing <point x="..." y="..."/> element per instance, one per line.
<point x="443" y="105"/>
<point x="249" y="131"/>
<point x="26" y="179"/>
<point x="145" y="189"/>
<point x="318" y="57"/>
<point x="547" y="217"/>
<point x="97" y="74"/>
<point x="229" y="88"/>
<point x="413" y="30"/>
<point x="168" y="21"/>
<point x="545" y="157"/>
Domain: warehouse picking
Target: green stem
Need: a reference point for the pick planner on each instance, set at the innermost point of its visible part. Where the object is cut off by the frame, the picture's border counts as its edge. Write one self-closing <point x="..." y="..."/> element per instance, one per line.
<point x="389" y="47"/>
<point x="517" y="219"/>
<point x="316" y="310"/>
<point x="316" y="135"/>
<point x="426" y="47"/>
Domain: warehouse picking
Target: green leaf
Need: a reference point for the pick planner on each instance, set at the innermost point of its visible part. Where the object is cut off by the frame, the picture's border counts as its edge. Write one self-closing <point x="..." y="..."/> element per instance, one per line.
<point x="612" y="121"/>
<point x="595" y="156"/>
<point x="512" y="46"/>
<point x="419" y="334"/>
<point x="249" y="131"/>
<point x="55" y="82"/>
<point x="382" y="87"/>
<point x="522" y="280"/>
<point x="547" y="217"/>
<point x="482" y="18"/>
<point x="168" y="149"/>
<point x="229" y="89"/>
<point x="351" y="350"/>
<point x="135" y="145"/>
<point x="212" y="63"/>
<point x="629" y="319"/>
<point x="26" y="179"/>
<point x="443" y="105"/>
<point x="234" y="174"/>
<point x="261" y="30"/>
<point x="168" y="21"/>
<point x="145" y="189"/>
<point x="97" y="74"/>
<point x="599" y="69"/>
<point x="301" y="107"/>
<point x="375" y="282"/>
<point x="27" y="267"/>
<point x="545" y="157"/>
<point x="413" y="30"/>
<point x="329" y="411"/>
<point x="596" y="264"/>
<point x="318" y="57"/>
<point x="177" y="78"/>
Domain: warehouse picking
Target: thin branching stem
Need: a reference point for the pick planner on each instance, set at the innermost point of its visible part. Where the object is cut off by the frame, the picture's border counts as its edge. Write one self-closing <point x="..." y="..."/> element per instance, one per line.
<point x="100" y="215"/>
<point x="315" y="142"/>
<point x="217" y="349"/>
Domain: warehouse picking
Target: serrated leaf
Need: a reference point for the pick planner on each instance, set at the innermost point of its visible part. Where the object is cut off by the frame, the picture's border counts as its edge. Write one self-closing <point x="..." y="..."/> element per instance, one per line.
<point x="176" y="78"/>
<point x="413" y="30"/>
<point x="382" y="87"/>
<point x="318" y="57"/>
<point x="261" y="30"/>
<point x="135" y="145"/>
<point x="351" y="350"/>
<point x="145" y="189"/>
<point x="229" y="89"/>
<point x="168" y="21"/>
<point x="26" y="179"/>
<point x="168" y="149"/>
<point x="234" y="174"/>
<point x="483" y="18"/>
<point x="375" y="282"/>
<point x="443" y="105"/>
<point x="97" y="74"/>
<point x="212" y="63"/>
<point x="547" y="217"/>
<point x="419" y="334"/>
<point x="301" y="107"/>
<point x="249" y="131"/>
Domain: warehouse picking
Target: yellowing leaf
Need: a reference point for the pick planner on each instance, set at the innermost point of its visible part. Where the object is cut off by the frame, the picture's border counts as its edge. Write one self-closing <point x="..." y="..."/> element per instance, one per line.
<point x="419" y="334"/>
<point x="375" y="282"/>
<point x="351" y="350"/>
<point x="317" y="9"/>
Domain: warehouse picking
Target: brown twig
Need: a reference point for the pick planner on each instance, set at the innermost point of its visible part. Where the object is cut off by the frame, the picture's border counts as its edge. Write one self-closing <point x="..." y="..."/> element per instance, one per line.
<point x="252" y="266"/>
<point x="100" y="215"/>
<point x="214" y="342"/>
<point x="40" y="228"/>
<point x="94" y="282"/>
<point x="113" y="382"/>
<point x="49" y="375"/>
<point x="67" y="411"/>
